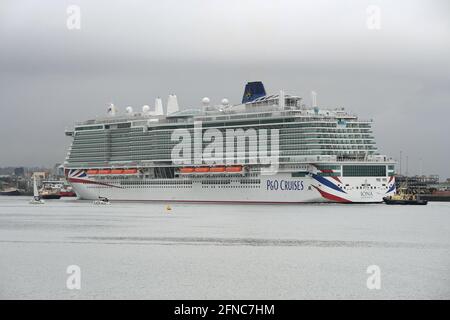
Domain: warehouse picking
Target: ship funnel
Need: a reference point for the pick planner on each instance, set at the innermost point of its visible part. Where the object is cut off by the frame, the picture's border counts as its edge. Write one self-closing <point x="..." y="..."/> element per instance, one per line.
<point x="172" y="104"/>
<point x="252" y="91"/>
<point x="158" y="107"/>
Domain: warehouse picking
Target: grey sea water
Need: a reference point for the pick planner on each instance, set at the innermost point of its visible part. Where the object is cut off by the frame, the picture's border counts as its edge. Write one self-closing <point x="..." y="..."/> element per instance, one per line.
<point x="196" y="251"/>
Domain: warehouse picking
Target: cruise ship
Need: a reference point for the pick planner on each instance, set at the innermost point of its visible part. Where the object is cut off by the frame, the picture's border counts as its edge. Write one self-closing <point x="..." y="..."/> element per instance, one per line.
<point x="270" y="148"/>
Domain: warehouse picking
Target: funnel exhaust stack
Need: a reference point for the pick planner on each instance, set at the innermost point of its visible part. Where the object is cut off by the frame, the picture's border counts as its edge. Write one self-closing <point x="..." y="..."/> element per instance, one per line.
<point x="158" y="107"/>
<point x="313" y="99"/>
<point x="172" y="104"/>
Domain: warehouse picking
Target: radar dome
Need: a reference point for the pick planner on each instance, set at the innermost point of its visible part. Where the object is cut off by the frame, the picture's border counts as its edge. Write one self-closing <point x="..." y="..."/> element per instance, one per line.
<point x="129" y="110"/>
<point x="205" y="101"/>
<point x="225" y="101"/>
<point x="145" y="109"/>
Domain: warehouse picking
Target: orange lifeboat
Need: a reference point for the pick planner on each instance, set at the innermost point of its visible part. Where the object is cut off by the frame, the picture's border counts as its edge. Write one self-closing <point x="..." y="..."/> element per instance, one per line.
<point x="104" y="171"/>
<point x="129" y="171"/>
<point x="186" y="170"/>
<point x="202" y="169"/>
<point x="217" y="169"/>
<point x="234" y="169"/>
<point x="92" y="171"/>
<point x="116" y="171"/>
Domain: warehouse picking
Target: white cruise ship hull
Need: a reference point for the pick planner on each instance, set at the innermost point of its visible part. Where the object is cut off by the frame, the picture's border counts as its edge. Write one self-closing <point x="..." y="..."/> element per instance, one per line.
<point x="279" y="188"/>
<point x="220" y="154"/>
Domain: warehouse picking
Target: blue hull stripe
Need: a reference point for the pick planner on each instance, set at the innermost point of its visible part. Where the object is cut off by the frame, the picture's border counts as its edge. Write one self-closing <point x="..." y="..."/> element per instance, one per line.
<point x="392" y="188"/>
<point x="329" y="184"/>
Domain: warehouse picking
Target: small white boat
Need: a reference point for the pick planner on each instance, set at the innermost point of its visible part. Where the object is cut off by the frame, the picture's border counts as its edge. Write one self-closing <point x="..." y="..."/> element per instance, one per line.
<point x="36" y="197"/>
<point x="102" y="201"/>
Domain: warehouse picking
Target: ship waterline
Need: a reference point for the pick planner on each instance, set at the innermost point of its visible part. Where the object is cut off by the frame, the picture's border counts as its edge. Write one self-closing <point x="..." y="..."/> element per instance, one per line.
<point x="322" y="155"/>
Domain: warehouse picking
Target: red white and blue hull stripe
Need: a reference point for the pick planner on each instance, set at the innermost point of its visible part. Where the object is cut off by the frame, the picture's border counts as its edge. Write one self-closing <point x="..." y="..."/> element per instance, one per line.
<point x="77" y="176"/>
<point x="279" y="188"/>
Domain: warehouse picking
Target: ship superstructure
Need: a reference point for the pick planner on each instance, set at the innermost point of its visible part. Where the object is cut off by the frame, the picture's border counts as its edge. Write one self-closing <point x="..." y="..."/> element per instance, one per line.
<point x="321" y="154"/>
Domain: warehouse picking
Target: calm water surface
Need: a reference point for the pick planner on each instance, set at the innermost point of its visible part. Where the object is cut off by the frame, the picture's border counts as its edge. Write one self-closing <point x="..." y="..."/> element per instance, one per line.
<point x="194" y="251"/>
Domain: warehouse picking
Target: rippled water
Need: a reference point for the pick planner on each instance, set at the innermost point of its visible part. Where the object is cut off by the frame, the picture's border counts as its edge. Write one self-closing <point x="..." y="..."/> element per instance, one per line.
<point x="195" y="251"/>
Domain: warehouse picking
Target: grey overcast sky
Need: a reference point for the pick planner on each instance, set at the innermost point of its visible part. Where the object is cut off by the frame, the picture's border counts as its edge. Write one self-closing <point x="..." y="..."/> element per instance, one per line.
<point x="131" y="51"/>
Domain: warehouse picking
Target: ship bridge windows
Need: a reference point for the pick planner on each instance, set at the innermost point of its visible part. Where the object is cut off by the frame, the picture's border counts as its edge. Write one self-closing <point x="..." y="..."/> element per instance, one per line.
<point x="329" y="174"/>
<point x="364" y="170"/>
<point x="328" y="167"/>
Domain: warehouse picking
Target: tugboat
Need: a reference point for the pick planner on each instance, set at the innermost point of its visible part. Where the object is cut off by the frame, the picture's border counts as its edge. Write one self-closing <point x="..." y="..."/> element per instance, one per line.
<point x="67" y="191"/>
<point x="50" y="194"/>
<point x="49" y="190"/>
<point x="404" y="197"/>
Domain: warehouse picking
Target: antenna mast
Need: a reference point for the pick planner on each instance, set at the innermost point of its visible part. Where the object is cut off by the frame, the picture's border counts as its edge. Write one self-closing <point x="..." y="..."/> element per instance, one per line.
<point x="313" y="99"/>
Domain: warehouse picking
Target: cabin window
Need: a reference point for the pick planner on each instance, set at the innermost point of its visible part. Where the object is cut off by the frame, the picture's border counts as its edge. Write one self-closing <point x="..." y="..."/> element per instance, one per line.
<point x="88" y="128"/>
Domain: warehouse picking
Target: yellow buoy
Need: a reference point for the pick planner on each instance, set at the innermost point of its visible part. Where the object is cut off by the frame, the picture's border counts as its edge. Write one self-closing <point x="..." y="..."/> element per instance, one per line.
<point x="168" y="208"/>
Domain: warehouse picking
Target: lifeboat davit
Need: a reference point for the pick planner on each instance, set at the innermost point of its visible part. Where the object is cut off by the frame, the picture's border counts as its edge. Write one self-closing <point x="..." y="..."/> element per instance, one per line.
<point x="202" y="169"/>
<point x="234" y="169"/>
<point x="217" y="169"/>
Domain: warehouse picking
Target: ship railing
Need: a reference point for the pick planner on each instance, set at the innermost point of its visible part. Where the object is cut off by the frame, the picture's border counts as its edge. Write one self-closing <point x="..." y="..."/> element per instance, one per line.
<point x="302" y="117"/>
